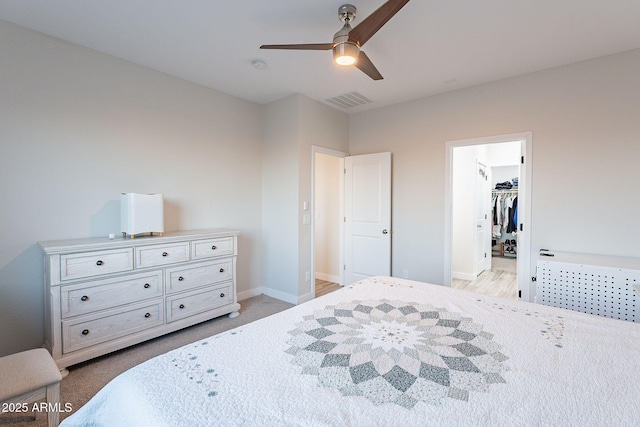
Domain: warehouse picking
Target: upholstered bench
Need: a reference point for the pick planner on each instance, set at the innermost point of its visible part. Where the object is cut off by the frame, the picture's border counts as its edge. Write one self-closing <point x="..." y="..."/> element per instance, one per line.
<point x="31" y="376"/>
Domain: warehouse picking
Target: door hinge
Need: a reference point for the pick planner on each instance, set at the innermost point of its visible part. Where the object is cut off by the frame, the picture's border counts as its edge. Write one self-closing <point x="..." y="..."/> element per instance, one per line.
<point x="522" y="160"/>
<point x="344" y="267"/>
<point x="345" y="219"/>
<point x="519" y="294"/>
<point x="520" y="227"/>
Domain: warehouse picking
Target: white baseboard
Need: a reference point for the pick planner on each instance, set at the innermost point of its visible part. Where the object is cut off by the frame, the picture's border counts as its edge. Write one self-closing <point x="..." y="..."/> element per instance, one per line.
<point x="282" y="296"/>
<point x="328" y="277"/>
<point x="463" y="276"/>
<point x="305" y="298"/>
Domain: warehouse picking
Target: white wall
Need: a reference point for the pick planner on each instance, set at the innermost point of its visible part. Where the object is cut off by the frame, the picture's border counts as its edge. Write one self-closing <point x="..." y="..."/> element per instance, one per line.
<point x="291" y="127"/>
<point x="77" y="128"/>
<point x="503" y="174"/>
<point x="586" y="141"/>
<point x="504" y="154"/>
<point x="280" y="172"/>
<point x="321" y="126"/>
<point x="327" y="217"/>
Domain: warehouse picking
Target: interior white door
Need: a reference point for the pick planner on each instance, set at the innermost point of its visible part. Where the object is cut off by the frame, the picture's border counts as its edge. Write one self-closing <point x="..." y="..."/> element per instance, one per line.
<point x="483" y="234"/>
<point x="367" y="216"/>
<point x="489" y="223"/>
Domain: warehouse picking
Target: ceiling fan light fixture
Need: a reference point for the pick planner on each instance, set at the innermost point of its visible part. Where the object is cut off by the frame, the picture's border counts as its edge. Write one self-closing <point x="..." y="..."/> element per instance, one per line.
<point x="348" y="41"/>
<point x="345" y="53"/>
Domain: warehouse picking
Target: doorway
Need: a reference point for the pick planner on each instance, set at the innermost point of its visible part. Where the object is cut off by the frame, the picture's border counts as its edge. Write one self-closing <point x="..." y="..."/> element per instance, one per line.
<point x="351" y="209"/>
<point x="485" y="181"/>
<point x="327" y="227"/>
<point x="469" y="222"/>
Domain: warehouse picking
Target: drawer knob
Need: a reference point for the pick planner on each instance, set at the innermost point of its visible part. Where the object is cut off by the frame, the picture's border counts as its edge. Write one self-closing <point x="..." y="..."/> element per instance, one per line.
<point x="99" y="262"/>
<point x="213" y="248"/>
<point x="147" y="286"/>
<point x="222" y="295"/>
<point x="222" y="270"/>
<point x="147" y="315"/>
<point x="165" y="254"/>
<point x="180" y="278"/>
<point x="181" y="306"/>
<point x="85" y="332"/>
<point x="84" y="298"/>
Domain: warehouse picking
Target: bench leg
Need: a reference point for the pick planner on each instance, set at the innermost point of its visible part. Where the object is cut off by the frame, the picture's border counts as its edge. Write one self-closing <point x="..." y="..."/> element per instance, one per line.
<point x="53" y="402"/>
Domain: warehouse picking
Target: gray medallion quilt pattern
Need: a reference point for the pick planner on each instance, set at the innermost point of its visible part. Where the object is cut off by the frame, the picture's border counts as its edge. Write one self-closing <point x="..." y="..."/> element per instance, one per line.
<point x="397" y="352"/>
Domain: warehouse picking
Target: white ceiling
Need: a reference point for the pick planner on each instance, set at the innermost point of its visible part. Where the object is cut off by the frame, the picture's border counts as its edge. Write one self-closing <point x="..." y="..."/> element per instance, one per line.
<point x="429" y="47"/>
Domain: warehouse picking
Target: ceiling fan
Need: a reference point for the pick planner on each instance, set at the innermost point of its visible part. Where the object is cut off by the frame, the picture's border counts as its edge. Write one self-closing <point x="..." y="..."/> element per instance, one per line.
<point x="348" y="41"/>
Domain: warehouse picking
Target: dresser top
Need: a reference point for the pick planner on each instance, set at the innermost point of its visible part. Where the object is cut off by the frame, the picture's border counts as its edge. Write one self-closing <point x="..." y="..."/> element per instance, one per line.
<point x="94" y="243"/>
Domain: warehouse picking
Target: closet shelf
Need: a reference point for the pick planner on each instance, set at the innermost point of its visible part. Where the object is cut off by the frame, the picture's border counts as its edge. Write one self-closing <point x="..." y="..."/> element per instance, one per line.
<point x="505" y="250"/>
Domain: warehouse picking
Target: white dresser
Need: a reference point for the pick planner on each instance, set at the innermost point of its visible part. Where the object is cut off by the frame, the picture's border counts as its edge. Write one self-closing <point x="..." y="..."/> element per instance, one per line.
<point x="102" y="295"/>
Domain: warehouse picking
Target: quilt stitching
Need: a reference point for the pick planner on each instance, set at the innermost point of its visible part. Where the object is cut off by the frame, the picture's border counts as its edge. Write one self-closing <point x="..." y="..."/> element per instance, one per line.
<point x="552" y="325"/>
<point x="396" y="352"/>
<point x="187" y="362"/>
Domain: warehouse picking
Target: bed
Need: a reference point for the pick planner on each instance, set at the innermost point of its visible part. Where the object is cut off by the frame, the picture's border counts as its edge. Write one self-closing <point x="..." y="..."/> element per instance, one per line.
<point x="389" y="352"/>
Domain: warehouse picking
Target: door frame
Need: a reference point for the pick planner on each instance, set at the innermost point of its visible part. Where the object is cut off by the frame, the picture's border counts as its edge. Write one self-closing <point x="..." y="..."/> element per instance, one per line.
<point x="524" y="206"/>
<point x="315" y="149"/>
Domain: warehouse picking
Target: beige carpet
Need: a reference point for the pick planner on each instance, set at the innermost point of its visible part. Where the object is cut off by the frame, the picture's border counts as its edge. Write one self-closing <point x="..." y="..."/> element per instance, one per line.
<point x="85" y="379"/>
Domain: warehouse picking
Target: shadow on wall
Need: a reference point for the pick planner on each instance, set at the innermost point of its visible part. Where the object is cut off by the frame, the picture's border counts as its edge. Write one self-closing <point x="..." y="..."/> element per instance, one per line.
<point x="171" y="215"/>
<point x="22" y="302"/>
<point x="106" y="220"/>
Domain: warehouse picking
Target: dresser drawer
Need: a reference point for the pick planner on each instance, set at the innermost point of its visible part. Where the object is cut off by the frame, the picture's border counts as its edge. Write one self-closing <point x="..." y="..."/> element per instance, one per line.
<point x="96" y="263"/>
<point x="151" y="256"/>
<point x="185" y="305"/>
<point x="90" y="297"/>
<point x="84" y="332"/>
<point x="210" y="248"/>
<point x="185" y="278"/>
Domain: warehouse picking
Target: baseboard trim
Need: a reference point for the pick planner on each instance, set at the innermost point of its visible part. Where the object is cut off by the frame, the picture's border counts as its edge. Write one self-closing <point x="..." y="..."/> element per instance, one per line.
<point x="282" y="296"/>
<point x="463" y="276"/>
<point x="328" y="277"/>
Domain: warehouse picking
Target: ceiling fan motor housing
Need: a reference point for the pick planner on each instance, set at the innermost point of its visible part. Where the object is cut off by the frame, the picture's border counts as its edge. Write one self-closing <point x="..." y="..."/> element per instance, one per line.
<point x="347" y="13"/>
<point x="343" y="48"/>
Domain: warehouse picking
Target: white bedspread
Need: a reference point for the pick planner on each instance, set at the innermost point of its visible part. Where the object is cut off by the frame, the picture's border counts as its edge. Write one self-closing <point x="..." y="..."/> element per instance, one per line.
<point x="390" y="352"/>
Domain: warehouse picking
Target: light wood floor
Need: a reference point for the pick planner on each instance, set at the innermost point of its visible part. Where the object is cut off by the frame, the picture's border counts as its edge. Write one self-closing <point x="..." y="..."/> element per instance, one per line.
<point x="500" y="281"/>
<point x="323" y="287"/>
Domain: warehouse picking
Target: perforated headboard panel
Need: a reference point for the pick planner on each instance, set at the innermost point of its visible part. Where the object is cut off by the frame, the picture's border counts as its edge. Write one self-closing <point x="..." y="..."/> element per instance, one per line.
<point x="601" y="289"/>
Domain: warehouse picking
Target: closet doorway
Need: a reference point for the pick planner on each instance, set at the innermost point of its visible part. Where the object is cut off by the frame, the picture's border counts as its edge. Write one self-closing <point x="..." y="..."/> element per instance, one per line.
<point x="487" y="229"/>
<point x="327" y="225"/>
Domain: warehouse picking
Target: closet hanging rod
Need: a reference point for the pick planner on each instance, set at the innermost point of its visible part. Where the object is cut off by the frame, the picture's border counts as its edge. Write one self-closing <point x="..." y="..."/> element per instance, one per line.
<point x="504" y="190"/>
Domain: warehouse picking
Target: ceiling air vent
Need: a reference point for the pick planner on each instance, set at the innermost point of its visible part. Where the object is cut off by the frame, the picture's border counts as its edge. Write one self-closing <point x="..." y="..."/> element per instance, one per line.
<point x="348" y="100"/>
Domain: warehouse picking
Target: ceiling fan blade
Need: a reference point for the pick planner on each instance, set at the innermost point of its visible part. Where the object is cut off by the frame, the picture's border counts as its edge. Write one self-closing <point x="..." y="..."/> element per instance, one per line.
<point x="365" y="65"/>
<point x="372" y="23"/>
<point x="310" y="46"/>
